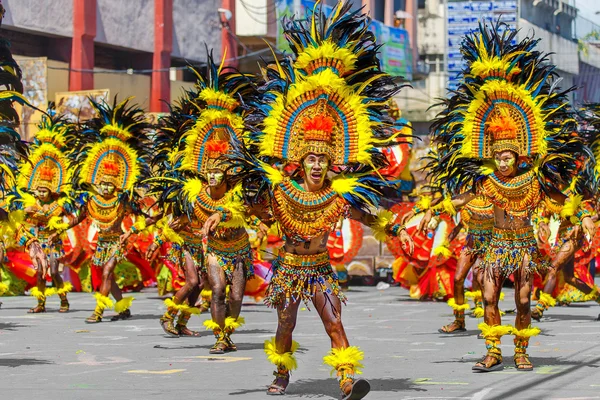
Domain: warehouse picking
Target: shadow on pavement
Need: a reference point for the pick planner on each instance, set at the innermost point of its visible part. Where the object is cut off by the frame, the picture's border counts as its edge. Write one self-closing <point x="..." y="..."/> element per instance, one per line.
<point x="240" y="346"/>
<point x="551" y="317"/>
<point x="330" y="387"/>
<point x="11" y="326"/>
<point x="19" y="362"/>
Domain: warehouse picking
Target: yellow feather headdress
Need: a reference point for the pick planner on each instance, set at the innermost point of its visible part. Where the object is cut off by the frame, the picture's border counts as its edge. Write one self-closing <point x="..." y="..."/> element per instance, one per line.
<point x="323" y="102"/>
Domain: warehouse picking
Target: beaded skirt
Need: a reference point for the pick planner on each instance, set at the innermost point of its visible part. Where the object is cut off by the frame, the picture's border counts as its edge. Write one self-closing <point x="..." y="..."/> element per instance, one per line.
<point x="507" y="250"/>
<point x="298" y="277"/>
<point x="108" y="247"/>
<point x="232" y="254"/>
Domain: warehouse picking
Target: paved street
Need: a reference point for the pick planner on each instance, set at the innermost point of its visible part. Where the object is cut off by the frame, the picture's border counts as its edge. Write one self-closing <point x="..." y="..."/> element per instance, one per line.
<point x="56" y="356"/>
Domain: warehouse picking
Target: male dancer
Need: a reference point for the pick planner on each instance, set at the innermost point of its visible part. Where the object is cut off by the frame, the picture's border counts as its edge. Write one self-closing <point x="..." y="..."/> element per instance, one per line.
<point x="316" y="114"/>
<point x="507" y="112"/>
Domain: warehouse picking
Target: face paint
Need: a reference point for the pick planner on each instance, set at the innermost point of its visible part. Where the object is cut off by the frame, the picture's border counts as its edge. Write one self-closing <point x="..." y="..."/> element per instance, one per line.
<point x="505" y="162"/>
<point x="107" y="188"/>
<point x="215" y="178"/>
<point x="42" y="193"/>
<point x="315" y="168"/>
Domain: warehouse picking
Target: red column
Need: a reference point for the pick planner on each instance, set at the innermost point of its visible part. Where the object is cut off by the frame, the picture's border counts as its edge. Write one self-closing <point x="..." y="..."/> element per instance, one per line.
<point x="228" y="41"/>
<point x="161" y="61"/>
<point x="82" y="49"/>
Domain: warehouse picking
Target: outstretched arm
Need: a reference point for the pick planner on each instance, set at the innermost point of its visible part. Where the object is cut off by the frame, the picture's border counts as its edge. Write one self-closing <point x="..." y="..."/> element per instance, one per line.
<point x="448" y="206"/>
<point x="390" y="228"/>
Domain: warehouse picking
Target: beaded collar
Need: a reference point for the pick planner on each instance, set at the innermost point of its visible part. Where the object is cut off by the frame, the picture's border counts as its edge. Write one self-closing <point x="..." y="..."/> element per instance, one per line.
<point x="305" y="215"/>
<point x="515" y="195"/>
<point x="105" y="213"/>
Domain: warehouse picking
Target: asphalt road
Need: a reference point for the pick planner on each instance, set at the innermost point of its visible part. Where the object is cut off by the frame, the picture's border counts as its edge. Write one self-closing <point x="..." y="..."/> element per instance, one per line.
<point x="58" y="356"/>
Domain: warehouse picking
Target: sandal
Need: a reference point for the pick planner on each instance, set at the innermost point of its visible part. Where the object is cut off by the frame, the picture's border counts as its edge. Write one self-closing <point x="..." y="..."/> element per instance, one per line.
<point x="522" y="362"/>
<point x="64" y="307"/>
<point x="482" y="366"/>
<point x="219" y="348"/>
<point x="455" y="326"/>
<point x="183" y="330"/>
<point x="537" y="314"/>
<point x="40" y="308"/>
<point x="93" y="319"/>
<point x="359" y="389"/>
<point x="167" y="325"/>
<point x="124" y="315"/>
<point x="230" y="345"/>
<point x="279" y="385"/>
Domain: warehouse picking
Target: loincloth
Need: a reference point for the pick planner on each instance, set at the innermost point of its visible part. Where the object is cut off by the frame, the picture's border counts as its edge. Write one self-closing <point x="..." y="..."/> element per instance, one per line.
<point x="508" y="248"/>
<point x="108" y="247"/>
<point x="298" y="277"/>
<point x="232" y="254"/>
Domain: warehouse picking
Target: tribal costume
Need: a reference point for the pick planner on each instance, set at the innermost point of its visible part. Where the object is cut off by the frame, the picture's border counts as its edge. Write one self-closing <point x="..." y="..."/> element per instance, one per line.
<point x="478" y="217"/>
<point x="507" y="111"/>
<point x="111" y="160"/>
<point x="42" y="192"/>
<point x="323" y="112"/>
<point x="195" y="184"/>
<point x="12" y="151"/>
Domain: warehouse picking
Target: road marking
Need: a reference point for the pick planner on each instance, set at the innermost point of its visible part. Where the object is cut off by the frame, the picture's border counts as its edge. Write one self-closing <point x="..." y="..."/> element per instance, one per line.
<point x="164" y="372"/>
<point x="90" y="359"/>
<point x="428" y="381"/>
<point x="224" y="359"/>
<point x="481" y="394"/>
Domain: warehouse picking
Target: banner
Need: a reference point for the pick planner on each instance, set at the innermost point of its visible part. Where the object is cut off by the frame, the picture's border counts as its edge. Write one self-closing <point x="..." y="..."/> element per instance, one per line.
<point x="35" y="90"/>
<point x="464" y="18"/>
<point x="76" y="106"/>
<point x="395" y="56"/>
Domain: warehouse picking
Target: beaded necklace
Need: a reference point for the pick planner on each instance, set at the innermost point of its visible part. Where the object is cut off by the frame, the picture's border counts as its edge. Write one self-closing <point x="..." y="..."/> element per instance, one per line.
<point x="515" y="195"/>
<point x="305" y="215"/>
<point x="42" y="216"/>
<point x="205" y="206"/>
<point x="105" y="213"/>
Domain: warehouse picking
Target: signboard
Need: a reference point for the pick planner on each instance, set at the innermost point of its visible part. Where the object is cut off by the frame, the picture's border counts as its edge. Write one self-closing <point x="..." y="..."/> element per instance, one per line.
<point x="395" y="56"/>
<point x="463" y="18"/>
<point x="35" y="90"/>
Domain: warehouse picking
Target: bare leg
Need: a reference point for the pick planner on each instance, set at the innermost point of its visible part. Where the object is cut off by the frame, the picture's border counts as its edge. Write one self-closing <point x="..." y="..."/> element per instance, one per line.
<point x="185" y="293"/>
<point x="523" y="287"/>
<point x="491" y="287"/>
<point x="465" y="262"/>
<point x="59" y="284"/>
<point x="286" y="322"/>
<point x="40" y="293"/>
<point x="236" y="294"/>
<point x="216" y="278"/>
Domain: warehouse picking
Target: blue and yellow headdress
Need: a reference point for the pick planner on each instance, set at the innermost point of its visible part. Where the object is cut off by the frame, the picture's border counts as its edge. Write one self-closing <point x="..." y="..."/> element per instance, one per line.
<point x="48" y="165"/>
<point x="113" y="147"/>
<point x="508" y="99"/>
<point x="330" y="100"/>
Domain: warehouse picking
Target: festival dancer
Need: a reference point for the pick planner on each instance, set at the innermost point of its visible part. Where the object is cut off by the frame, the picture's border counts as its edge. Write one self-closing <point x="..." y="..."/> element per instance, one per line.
<point x="323" y="111"/>
<point x="12" y="151"/>
<point x="195" y="189"/>
<point x="478" y="216"/>
<point x="111" y="159"/>
<point x="508" y="111"/>
<point x="42" y="192"/>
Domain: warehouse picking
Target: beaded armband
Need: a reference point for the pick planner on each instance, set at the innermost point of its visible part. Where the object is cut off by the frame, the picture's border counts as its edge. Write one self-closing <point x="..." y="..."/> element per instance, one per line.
<point x="254" y="221"/>
<point x="445" y="206"/>
<point x="226" y="215"/>
<point x="25" y="236"/>
<point x="394" y="229"/>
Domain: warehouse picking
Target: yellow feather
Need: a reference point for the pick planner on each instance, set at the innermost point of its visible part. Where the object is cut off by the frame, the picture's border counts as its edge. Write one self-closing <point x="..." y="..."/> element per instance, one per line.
<point x="349" y="356"/>
<point x="56" y="223"/>
<point x="232" y="323"/>
<point x="473" y="295"/>
<point x="547" y="299"/>
<point x="67" y="287"/>
<point x="3" y="288"/>
<point x="478" y="312"/>
<point x="103" y="302"/>
<point x="37" y="293"/>
<point x="527" y="332"/>
<point x="457" y="307"/>
<point x="211" y="325"/>
<point x="494" y="332"/>
<point x="123" y="304"/>
<point x="424" y="202"/>
<point x="382" y="220"/>
<point x="571" y="206"/>
<point x="443" y="250"/>
<point x="286" y="360"/>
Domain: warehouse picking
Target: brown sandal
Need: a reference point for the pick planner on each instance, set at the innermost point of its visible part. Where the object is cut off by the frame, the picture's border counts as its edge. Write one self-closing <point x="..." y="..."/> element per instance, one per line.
<point x="64" y="306"/>
<point x="183" y="330"/>
<point x="93" y="319"/>
<point x="124" y="315"/>
<point x="280" y="384"/>
<point x="219" y="348"/>
<point x="358" y="389"/>
<point x="522" y="362"/>
<point x="167" y="325"/>
<point x="483" y="366"/>
<point x="40" y="308"/>
<point x="455" y="326"/>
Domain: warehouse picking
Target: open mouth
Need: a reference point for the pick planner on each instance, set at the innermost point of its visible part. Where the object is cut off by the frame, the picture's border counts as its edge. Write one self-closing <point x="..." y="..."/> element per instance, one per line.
<point x="316" y="175"/>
